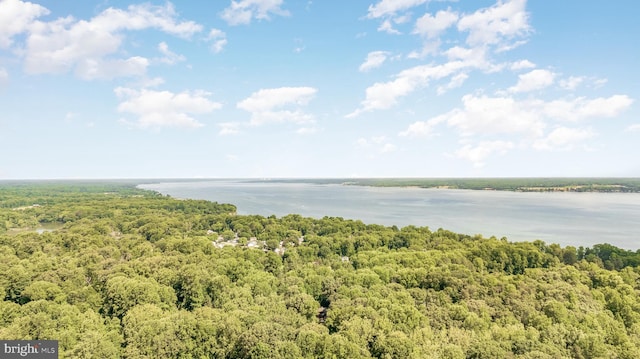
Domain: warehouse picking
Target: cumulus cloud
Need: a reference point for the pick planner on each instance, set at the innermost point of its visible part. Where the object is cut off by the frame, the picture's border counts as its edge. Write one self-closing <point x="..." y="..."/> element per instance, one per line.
<point x="484" y="115"/>
<point x="494" y="115"/>
<point x="383" y="95"/>
<point x="170" y="57"/>
<point x="145" y="16"/>
<point x="494" y="28"/>
<point x="534" y="80"/>
<point x="392" y="11"/>
<point x="91" y="48"/>
<point x="391" y="7"/>
<point x="522" y="65"/>
<point x="229" y="128"/>
<point x="91" y="69"/>
<point x="16" y="17"/>
<point x="218" y="40"/>
<point x="496" y="25"/>
<point x="150" y="82"/>
<point x="582" y="108"/>
<point x="158" y="109"/>
<point x="420" y="129"/>
<point x="378" y="144"/>
<point x="243" y="11"/>
<point x="432" y="26"/>
<point x="430" y="47"/>
<point x="456" y="81"/>
<point x="374" y="59"/>
<point x="387" y="26"/>
<point x="563" y="138"/>
<point x="526" y="121"/>
<point x="477" y="154"/>
<point x="278" y="105"/>
<point x="572" y="82"/>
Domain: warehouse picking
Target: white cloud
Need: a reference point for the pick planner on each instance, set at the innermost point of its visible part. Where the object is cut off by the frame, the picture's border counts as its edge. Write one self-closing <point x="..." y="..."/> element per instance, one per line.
<point x="432" y="26"/>
<point x="495" y="28"/>
<point x="16" y="17"/>
<point x="243" y="11"/>
<point x="378" y="144"/>
<point x="387" y="27"/>
<point x="522" y="65"/>
<point x="91" y="69"/>
<point x="496" y="24"/>
<point x="266" y="105"/>
<point x="478" y="154"/>
<point x="600" y="82"/>
<point x="170" y="57"/>
<point x="563" y="138"/>
<point x="493" y="115"/>
<point x="229" y="128"/>
<point x="157" y="109"/>
<point x="534" y="80"/>
<point x="218" y="40"/>
<point x="91" y="47"/>
<point x="402" y="19"/>
<point x="419" y="129"/>
<point x="145" y="16"/>
<point x="268" y="99"/>
<point x="483" y="115"/>
<point x="153" y="82"/>
<point x="428" y="48"/>
<point x="475" y="57"/>
<point x="383" y="95"/>
<point x="582" y="108"/>
<point x="456" y="81"/>
<point x="572" y="82"/>
<point x="391" y="7"/>
<point x="374" y="59"/>
<point x="525" y="120"/>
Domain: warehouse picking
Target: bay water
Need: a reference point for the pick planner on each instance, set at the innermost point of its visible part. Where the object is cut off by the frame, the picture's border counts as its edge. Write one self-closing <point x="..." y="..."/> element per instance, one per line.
<point x="577" y="219"/>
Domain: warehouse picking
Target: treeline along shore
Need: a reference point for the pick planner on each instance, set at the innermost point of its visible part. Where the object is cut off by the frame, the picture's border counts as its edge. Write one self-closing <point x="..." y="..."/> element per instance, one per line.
<point x="122" y="272"/>
<point x="555" y="184"/>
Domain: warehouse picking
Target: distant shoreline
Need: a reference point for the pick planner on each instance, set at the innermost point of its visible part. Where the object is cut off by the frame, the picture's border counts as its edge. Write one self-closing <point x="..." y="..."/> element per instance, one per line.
<point x="596" y="184"/>
<point x="515" y="184"/>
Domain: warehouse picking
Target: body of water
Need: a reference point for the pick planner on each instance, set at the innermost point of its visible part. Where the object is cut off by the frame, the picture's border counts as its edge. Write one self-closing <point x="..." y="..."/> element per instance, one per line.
<point x="578" y="219"/>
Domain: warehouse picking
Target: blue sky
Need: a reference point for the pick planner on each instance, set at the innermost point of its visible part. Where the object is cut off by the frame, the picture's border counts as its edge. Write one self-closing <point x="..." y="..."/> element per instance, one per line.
<point x="276" y="88"/>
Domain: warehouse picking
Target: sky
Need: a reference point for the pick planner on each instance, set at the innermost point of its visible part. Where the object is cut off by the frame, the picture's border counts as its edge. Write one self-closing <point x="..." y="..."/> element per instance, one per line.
<point x="323" y="88"/>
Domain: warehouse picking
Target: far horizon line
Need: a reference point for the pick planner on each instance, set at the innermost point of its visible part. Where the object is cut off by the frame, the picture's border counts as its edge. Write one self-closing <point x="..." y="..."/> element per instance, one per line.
<point x="265" y="178"/>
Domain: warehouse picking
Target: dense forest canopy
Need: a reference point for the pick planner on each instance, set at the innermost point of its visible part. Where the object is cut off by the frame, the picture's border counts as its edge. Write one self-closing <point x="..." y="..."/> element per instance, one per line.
<point x="112" y="271"/>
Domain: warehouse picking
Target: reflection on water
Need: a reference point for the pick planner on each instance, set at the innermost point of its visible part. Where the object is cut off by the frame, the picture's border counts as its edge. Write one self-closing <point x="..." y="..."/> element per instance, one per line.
<point x="565" y="218"/>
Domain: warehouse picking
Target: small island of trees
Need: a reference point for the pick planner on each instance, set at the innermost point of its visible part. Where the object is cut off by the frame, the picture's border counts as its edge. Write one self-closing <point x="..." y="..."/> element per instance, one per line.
<point x="111" y="271"/>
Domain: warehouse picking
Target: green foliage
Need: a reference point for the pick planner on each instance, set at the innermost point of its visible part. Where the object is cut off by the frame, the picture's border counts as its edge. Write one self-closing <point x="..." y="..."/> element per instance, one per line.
<point x="125" y="273"/>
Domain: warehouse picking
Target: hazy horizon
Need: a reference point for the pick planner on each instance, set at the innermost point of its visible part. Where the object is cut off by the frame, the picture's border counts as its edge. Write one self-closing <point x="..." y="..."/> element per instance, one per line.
<point x="300" y="178"/>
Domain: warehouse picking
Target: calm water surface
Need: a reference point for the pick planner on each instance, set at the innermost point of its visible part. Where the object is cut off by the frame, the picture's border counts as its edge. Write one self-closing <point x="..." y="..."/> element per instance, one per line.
<point x="565" y="218"/>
